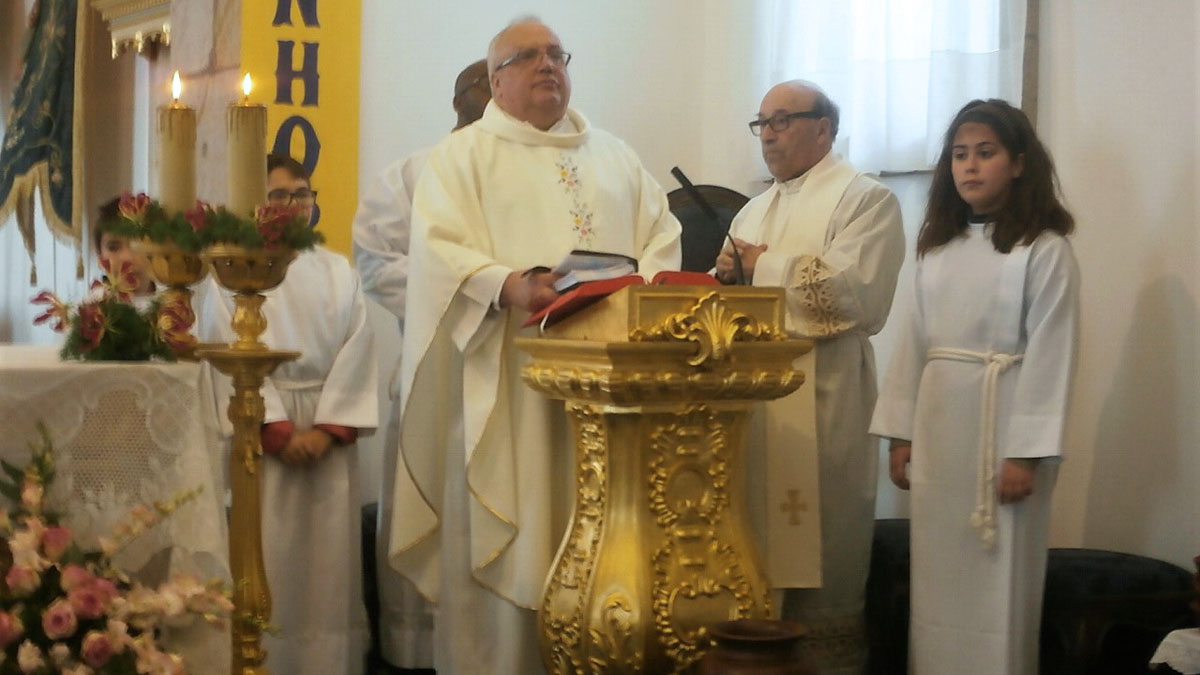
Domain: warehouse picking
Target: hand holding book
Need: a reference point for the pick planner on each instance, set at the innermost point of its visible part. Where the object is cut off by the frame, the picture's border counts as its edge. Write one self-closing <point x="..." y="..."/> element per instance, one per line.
<point x="530" y="290"/>
<point x="580" y="266"/>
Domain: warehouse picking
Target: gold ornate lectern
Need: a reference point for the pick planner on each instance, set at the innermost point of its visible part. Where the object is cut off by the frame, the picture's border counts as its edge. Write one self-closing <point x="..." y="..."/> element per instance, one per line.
<point x="658" y="382"/>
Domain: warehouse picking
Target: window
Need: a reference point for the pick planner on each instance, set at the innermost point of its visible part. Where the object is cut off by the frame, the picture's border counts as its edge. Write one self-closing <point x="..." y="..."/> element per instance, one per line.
<point x="899" y="69"/>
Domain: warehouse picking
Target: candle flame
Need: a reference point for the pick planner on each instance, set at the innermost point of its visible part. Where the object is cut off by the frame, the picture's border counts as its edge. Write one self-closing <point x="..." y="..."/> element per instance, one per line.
<point x="176" y="87"/>
<point x="246" y="85"/>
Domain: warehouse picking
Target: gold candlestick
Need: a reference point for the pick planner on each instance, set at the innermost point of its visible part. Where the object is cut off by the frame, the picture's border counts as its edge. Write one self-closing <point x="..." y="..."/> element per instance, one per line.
<point x="248" y="361"/>
<point x="247" y="131"/>
<point x="177" y="153"/>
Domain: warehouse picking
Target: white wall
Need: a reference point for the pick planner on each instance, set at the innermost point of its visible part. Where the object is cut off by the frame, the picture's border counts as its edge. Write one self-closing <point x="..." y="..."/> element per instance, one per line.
<point x="1118" y="110"/>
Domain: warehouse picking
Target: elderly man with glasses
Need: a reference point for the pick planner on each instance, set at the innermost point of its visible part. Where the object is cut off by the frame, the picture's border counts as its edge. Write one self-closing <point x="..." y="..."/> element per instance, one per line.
<point x="833" y="238"/>
<point x="483" y="485"/>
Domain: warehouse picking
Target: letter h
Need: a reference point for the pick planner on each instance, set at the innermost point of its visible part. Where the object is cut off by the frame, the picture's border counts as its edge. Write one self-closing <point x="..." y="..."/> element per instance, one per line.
<point x="285" y="74"/>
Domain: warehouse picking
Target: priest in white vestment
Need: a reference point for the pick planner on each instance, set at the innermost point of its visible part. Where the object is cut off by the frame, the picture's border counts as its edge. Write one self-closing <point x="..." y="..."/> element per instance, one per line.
<point x="381" y="233"/>
<point x="483" y="481"/>
<point x="833" y="238"/>
<point x="316" y="407"/>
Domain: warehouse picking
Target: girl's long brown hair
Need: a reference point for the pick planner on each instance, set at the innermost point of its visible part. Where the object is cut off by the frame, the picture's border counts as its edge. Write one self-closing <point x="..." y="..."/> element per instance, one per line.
<point x="1033" y="203"/>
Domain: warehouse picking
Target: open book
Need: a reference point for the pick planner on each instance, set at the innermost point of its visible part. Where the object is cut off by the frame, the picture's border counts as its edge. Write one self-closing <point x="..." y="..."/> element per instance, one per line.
<point x="582" y="266"/>
<point x="586" y="294"/>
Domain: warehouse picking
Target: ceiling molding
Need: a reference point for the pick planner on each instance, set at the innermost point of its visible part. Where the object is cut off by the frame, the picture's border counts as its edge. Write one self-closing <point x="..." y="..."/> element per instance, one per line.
<point x="140" y="25"/>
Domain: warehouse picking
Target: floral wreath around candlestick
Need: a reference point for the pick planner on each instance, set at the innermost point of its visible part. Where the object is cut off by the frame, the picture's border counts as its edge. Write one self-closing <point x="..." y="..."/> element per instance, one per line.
<point x="107" y="327"/>
<point x="68" y="609"/>
<point x="204" y="225"/>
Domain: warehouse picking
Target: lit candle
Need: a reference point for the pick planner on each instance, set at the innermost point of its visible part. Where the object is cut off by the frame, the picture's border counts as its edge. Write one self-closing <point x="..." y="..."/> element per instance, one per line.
<point x="247" y="132"/>
<point x="177" y="152"/>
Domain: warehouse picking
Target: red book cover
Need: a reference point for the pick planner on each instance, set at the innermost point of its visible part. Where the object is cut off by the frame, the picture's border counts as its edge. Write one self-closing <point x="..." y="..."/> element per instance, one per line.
<point x="679" y="278"/>
<point x="579" y="297"/>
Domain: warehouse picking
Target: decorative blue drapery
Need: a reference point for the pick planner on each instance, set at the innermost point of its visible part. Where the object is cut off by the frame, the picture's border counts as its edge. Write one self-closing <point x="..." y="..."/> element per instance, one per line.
<point x="43" y="142"/>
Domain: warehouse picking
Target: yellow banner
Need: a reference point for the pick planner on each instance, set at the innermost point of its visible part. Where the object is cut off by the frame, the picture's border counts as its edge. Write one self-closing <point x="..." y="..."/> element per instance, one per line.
<point x="303" y="56"/>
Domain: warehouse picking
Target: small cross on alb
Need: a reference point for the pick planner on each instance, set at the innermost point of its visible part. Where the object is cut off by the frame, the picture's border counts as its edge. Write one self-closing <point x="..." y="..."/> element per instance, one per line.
<point x="793" y="506"/>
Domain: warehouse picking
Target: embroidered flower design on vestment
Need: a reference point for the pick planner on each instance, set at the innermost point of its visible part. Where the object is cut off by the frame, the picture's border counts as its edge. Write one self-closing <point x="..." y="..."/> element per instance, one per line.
<point x="812" y="279"/>
<point x="581" y="212"/>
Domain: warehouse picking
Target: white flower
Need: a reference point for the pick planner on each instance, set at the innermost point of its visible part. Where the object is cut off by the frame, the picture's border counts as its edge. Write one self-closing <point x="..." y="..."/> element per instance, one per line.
<point x="60" y="654"/>
<point x="26" y="543"/>
<point x="31" y="495"/>
<point x="29" y="657"/>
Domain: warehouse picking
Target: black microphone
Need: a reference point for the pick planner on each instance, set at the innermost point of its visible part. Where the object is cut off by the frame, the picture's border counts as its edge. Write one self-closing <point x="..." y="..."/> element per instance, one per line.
<point x="738" y="275"/>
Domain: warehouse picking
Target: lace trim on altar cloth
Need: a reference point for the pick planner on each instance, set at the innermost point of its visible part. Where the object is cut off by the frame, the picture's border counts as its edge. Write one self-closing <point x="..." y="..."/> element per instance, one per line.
<point x="811" y="280"/>
<point x="125" y="436"/>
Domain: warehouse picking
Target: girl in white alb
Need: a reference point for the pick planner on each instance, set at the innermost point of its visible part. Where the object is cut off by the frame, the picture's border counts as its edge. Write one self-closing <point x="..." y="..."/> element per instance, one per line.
<point x="976" y="394"/>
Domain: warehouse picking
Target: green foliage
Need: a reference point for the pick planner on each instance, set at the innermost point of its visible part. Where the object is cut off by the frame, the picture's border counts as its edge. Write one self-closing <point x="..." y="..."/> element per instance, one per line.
<point x="125" y="334"/>
<point x="201" y="226"/>
<point x="159" y="227"/>
<point x="289" y="228"/>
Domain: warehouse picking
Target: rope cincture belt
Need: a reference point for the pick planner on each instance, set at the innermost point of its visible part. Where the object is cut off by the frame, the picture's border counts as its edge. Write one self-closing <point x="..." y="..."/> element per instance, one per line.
<point x="984" y="516"/>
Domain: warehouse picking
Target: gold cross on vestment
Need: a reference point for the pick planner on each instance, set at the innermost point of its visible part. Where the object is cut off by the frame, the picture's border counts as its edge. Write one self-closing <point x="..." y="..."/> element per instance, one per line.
<point x="793" y="506"/>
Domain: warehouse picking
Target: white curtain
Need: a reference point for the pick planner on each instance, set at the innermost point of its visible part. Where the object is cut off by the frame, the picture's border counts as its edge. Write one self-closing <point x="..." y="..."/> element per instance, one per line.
<point x="899" y="69"/>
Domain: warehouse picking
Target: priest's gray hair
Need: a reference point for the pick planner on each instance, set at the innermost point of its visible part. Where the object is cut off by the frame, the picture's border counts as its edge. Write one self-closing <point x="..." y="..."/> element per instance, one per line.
<point x="492" y="57"/>
<point x="822" y="104"/>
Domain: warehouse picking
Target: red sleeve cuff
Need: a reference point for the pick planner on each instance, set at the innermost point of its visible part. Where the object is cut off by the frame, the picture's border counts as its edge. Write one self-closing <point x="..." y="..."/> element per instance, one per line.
<point x="275" y="436"/>
<point x="341" y="435"/>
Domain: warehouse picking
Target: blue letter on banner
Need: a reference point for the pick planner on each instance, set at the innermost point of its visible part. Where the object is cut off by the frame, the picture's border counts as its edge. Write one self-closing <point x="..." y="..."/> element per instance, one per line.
<point x="284" y="73"/>
<point x="283" y="12"/>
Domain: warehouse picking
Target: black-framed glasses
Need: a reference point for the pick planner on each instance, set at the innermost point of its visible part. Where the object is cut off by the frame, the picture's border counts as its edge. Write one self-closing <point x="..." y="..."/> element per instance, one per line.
<point x="282" y="197"/>
<point x="780" y="121"/>
<point x="472" y="84"/>
<point x="555" y="55"/>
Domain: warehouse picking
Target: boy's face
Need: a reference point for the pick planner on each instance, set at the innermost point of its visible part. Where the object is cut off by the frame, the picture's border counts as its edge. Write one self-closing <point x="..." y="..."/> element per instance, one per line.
<point x="283" y="188"/>
<point x="116" y="251"/>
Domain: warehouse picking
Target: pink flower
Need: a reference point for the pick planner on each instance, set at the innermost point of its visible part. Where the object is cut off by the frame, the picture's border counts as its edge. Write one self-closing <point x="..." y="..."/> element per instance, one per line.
<point x="29" y="657"/>
<point x="22" y="580"/>
<point x="11" y="629"/>
<point x="134" y="207"/>
<point x="74" y="576"/>
<point x="92" y="326"/>
<point x="55" y="541"/>
<point x="272" y="221"/>
<point x="97" y="649"/>
<point x="105" y="588"/>
<point x="198" y="215"/>
<point x="175" y="320"/>
<point x="56" y="309"/>
<point x="87" y="601"/>
<point x="58" y="621"/>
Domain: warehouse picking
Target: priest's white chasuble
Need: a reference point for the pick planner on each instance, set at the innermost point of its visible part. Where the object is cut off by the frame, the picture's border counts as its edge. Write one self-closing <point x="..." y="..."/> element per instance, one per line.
<point x="311" y="520"/>
<point x="483" y="486"/>
<point x="985" y="327"/>
<point x="835" y="244"/>
<point x="381" y="232"/>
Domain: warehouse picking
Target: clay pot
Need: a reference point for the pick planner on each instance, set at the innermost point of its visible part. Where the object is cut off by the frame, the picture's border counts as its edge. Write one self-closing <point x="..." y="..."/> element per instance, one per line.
<point x="755" y="647"/>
